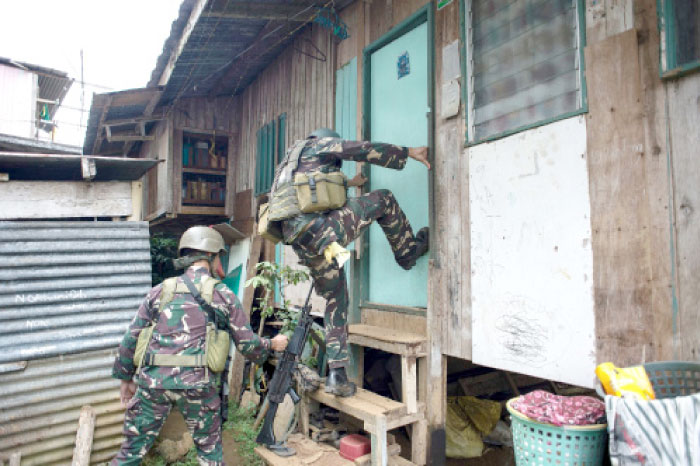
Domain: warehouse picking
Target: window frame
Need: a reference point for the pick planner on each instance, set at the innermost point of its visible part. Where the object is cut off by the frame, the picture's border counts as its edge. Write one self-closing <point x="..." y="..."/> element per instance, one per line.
<point x="668" y="58"/>
<point x="467" y="79"/>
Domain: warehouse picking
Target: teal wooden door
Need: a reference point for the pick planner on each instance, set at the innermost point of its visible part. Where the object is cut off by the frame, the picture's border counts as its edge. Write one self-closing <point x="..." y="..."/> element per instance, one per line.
<point x="398" y="115"/>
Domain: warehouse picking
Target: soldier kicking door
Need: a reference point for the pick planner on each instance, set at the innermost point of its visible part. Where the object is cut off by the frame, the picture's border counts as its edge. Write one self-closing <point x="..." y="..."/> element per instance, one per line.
<point x="397" y="79"/>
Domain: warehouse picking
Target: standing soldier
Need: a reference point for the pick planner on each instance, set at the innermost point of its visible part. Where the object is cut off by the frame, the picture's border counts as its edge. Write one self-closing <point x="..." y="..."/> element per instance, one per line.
<point x="174" y="369"/>
<point x="318" y="237"/>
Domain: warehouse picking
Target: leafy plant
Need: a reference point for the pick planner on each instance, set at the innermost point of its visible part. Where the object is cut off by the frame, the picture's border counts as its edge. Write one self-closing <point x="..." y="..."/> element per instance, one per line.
<point x="163" y="251"/>
<point x="270" y="277"/>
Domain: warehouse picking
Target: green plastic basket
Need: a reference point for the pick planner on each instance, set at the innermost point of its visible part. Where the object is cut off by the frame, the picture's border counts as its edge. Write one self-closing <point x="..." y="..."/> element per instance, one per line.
<point x="536" y="443"/>
<point x="673" y="378"/>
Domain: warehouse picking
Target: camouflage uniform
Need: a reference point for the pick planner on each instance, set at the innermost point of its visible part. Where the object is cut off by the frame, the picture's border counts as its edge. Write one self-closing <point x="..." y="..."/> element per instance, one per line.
<point x="180" y="329"/>
<point x="310" y="234"/>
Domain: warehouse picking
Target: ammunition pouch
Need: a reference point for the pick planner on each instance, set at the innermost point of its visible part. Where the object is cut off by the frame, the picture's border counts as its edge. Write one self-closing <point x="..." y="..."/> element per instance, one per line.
<point x="318" y="191"/>
<point x="271" y="230"/>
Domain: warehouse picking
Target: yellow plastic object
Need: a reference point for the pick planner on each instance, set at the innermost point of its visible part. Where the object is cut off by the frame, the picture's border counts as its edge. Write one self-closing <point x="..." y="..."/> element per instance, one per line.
<point x="625" y="381"/>
<point x="337" y="252"/>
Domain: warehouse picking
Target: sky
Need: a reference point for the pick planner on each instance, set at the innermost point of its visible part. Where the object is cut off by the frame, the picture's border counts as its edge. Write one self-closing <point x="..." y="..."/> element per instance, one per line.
<point x="121" y="41"/>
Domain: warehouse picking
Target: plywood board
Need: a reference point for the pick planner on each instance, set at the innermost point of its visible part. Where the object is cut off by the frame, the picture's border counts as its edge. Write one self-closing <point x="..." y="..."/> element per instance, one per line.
<point x="620" y="216"/>
<point x="64" y="199"/>
<point x="531" y="257"/>
<point x="684" y="121"/>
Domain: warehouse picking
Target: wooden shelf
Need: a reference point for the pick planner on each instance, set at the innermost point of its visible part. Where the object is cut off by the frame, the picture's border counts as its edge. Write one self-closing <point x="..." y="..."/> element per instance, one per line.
<point x="196" y="202"/>
<point x="204" y="171"/>
<point x="389" y="340"/>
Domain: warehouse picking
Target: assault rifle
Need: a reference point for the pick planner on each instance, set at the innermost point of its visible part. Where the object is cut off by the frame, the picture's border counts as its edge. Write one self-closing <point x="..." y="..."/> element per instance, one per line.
<point x="281" y="382"/>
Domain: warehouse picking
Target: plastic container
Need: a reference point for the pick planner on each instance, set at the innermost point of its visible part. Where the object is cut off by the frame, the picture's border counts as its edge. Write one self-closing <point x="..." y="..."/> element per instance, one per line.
<point x="673" y="378"/>
<point x="537" y="443"/>
<point x="354" y="445"/>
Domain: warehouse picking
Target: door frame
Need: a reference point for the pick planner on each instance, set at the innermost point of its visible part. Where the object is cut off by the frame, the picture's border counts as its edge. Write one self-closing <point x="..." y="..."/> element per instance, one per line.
<point x="425" y="14"/>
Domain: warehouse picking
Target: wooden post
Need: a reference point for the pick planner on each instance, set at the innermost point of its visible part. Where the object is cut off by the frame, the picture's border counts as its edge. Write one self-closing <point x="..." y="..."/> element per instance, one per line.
<point x="83" y="438"/>
<point x="237" y="361"/>
<point x="15" y="458"/>
<point x="408" y="383"/>
<point x="379" y="447"/>
<point x="136" y="201"/>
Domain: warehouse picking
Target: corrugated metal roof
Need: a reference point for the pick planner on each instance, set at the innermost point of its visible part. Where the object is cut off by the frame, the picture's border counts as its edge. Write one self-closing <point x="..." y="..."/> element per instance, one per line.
<point x="67" y="293"/>
<point x="67" y="167"/>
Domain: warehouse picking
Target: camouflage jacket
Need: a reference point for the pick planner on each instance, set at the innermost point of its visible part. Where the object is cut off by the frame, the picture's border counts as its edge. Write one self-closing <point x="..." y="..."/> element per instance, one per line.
<point x="327" y="155"/>
<point x="181" y="329"/>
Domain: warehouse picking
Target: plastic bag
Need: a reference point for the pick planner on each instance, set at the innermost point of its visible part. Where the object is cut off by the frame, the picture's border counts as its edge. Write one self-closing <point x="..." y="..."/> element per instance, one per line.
<point x="468" y="420"/>
<point x="625" y="381"/>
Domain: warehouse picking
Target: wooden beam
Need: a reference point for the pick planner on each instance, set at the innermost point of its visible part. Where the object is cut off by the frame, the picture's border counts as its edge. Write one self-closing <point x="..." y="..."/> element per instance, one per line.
<point x="134" y="121"/>
<point x="129" y="137"/>
<point x="147" y="112"/>
<point x="88" y="168"/>
<point x="83" y="438"/>
<point x="98" y="138"/>
<point x="299" y="12"/>
<point x="187" y="31"/>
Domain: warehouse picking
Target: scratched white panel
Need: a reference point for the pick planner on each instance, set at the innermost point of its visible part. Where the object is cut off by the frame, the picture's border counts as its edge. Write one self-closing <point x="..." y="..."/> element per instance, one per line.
<point x="531" y="257"/>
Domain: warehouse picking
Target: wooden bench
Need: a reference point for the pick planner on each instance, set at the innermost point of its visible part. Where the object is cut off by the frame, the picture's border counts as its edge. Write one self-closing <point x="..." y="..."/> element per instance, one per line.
<point x="377" y="413"/>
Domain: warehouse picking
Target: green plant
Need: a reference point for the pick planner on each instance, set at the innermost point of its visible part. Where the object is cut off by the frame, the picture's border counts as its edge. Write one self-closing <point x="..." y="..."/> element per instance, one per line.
<point x="163" y="251"/>
<point x="272" y="277"/>
<point x="240" y="424"/>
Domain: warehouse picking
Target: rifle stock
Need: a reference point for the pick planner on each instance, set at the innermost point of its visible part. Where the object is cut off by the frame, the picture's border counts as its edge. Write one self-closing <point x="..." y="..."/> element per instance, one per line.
<point x="281" y="382"/>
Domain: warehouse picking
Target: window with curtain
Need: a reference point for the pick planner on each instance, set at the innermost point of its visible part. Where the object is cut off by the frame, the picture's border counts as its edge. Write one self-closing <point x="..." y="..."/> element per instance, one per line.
<point x="680" y="29"/>
<point x="523" y="64"/>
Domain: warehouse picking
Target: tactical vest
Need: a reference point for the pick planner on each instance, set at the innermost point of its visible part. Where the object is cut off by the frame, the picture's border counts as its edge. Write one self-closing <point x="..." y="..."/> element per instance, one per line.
<point x="217" y="342"/>
<point x="296" y="193"/>
<point x="283" y="197"/>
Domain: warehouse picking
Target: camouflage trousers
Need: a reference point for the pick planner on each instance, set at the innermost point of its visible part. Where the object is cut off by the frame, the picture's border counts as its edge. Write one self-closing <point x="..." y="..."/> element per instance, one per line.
<point x="149" y="408"/>
<point x="343" y="226"/>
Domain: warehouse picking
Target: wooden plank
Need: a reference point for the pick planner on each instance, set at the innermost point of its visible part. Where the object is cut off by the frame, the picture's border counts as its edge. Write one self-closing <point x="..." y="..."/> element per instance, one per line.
<point x="396" y="320"/>
<point x="15" y="458"/>
<point x="136" y="201"/>
<point x="409" y="395"/>
<point x="419" y="442"/>
<point x="296" y="12"/>
<point x="400" y="421"/>
<point x="176" y="186"/>
<point x="356" y="406"/>
<point x="202" y="210"/>
<point x="619" y="206"/>
<point x="63" y="199"/>
<point x="4" y="177"/>
<point x="83" y="438"/>
<point x="386" y="334"/>
<point x="392" y="450"/>
<point x="379" y="454"/>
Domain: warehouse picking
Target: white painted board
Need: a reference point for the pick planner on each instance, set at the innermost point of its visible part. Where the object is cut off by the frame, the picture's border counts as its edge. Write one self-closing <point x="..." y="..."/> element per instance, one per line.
<point x="531" y="256"/>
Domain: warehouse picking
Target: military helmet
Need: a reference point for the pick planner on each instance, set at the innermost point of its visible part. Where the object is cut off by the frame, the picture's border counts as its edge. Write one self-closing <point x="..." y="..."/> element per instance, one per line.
<point x="323" y="133"/>
<point x="201" y="238"/>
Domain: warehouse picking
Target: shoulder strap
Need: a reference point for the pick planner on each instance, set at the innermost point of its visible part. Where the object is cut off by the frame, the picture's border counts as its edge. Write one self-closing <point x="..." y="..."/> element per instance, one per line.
<point x="208" y="289"/>
<point x="286" y="168"/>
<point x="208" y="309"/>
<point x="168" y="292"/>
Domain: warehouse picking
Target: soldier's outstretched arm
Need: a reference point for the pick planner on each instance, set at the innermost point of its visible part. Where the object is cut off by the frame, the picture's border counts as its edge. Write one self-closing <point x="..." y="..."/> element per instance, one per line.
<point x="250" y="345"/>
<point x="124" y="367"/>
<point x="376" y="153"/>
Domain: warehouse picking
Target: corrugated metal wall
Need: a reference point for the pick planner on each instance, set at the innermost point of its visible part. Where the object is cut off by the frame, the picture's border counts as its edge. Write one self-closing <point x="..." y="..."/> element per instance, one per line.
<point x="67" y="293"/>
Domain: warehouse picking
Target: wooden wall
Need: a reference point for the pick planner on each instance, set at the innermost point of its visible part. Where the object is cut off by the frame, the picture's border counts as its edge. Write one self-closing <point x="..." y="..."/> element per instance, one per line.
<point x="642" y="143"/>
<point x="295" y="84"/>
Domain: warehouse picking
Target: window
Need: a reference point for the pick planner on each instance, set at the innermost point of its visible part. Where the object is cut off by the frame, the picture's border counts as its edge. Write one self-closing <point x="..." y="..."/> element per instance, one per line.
<point x="265" y="160"/>
<point x="523" y="64"/>
<point x="680" y="36"/>
<point x="271" y="147"/>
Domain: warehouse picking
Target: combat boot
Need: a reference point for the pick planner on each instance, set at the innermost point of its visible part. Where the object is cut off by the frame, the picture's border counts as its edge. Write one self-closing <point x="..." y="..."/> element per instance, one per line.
<point x="422" y="243"/>
<point x="338" y="384"/>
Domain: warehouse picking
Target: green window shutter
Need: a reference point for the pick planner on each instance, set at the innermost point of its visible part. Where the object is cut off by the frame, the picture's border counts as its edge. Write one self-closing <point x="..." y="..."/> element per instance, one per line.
<point x="281" y="136"/>
<point x="680" y="27"/>
<point x="259" y="163"/>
